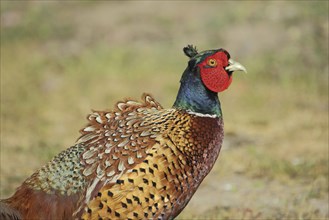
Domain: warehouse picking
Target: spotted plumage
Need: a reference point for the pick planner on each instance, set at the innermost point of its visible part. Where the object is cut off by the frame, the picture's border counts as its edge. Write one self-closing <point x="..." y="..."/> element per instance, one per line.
<point x="161" y="158"/>
<point x="138" y="161"/>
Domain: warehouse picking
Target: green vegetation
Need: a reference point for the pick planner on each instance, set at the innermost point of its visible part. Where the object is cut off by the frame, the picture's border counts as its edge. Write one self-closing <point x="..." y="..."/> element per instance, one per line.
<point x="59" y="60"/>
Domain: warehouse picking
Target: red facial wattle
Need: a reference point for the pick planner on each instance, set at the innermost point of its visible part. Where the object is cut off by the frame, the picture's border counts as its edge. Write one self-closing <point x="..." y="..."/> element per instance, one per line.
<point x="215" y="78"/>
<point x="216" y="81"/>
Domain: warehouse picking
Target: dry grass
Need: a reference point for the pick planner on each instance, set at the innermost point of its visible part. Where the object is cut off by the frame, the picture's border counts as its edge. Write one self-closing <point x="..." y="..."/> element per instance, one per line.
<point x="59" y="60"/>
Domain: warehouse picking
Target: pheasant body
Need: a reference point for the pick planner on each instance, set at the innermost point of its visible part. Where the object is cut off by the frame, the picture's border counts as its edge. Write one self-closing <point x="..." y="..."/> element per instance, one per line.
<point x="139" y="161"/>
<point x="160" y="176"/>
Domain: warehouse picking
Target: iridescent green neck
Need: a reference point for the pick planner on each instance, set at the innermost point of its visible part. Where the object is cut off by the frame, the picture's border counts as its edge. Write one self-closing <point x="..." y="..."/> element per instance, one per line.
<point x="194" y="96"/>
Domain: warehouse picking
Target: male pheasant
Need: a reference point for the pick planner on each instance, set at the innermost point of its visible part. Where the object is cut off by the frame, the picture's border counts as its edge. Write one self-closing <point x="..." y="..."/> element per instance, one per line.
<point x="139" y="161"/>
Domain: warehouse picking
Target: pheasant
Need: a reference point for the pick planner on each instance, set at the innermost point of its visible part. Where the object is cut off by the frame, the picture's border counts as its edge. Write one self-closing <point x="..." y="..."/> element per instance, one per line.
<point x="138" y="161"/>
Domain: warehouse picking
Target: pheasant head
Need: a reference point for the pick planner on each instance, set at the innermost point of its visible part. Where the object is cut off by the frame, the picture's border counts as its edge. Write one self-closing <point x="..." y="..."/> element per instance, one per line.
<point x="208" y="72"/>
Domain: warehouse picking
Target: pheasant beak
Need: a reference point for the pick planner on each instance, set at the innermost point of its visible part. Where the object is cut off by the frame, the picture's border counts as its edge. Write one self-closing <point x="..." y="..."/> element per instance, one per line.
<point x="235" y="66"/>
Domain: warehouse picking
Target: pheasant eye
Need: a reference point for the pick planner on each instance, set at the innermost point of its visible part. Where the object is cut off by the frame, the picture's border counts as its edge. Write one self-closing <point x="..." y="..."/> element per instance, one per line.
<point x="212" y="62"/>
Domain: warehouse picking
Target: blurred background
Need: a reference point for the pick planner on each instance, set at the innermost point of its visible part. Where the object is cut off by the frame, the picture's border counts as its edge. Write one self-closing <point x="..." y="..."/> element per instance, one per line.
<point x="59" y="60"/>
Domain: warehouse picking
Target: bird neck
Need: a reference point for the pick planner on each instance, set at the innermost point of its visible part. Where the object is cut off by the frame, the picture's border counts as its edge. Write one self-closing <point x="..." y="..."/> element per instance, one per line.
<point x="194" y="96"/>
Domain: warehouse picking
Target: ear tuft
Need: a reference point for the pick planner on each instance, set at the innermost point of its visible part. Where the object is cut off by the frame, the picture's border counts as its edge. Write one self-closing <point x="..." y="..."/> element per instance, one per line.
<point x="190" y="51"/>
